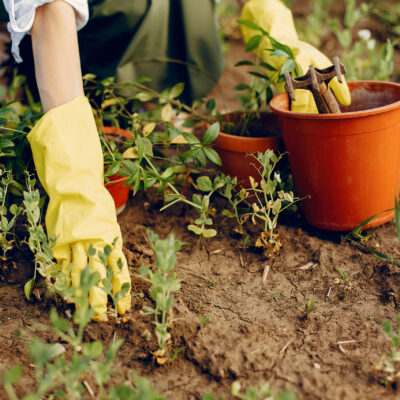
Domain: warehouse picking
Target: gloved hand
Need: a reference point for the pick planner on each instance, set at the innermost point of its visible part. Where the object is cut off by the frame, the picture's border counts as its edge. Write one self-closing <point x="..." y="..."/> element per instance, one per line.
<point x="69" y="162"/>
<point x="276" y="19"/>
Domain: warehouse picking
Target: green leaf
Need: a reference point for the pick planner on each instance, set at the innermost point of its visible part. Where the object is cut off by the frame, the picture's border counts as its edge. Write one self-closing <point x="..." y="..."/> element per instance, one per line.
<point x="241" y="86"/>
<point x="250" y="24"/>
<point x="397" y="217"/>
<point x="280" y="53"/>
<point x="244" y="62"/>
<point x="191" y="139"/>
<point x="113" y="168"/>
<point x="211" y="133"/>
<point x="58" y="322"/>
<point x="176" y="90"/>
<point x="210" y="105"/>
<point x="204" y="184"/>
<point x="258" y="75"/>
<point x="288" y="66"/>
<point x="208" y="233"/>
<point x="196" y="229"/>
<point x="212" y="155"/>
<point x="88" y="77"/>
<point x="28" y="288"/>
<point x="12" y="375"/>
<point x="267" y="66"/>
<point x="144" y="96"/>
<point x="4" y="142"/>
<point x="253" y="43"/>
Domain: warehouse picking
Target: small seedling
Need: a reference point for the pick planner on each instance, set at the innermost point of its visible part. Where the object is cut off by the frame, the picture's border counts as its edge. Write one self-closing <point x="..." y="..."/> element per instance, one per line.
<point x="390" y="363"/>
<point x="204" y="320"/>
<point x="61" y="374"/>
<point x="343" y="283"/>
<point x="164" y="283"/>
<point x="241" y="282"/>
<point x="310" y="306"/>
<point x="213" y="282"/>
<point x="263" y="392"/>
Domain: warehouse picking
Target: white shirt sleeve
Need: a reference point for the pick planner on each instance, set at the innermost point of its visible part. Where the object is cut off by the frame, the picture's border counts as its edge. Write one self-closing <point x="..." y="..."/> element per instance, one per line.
<point x="22" y="14"/>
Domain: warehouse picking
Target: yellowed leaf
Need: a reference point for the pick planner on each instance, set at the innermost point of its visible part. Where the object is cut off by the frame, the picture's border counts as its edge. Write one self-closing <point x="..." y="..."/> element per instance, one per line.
<point x="130" y="153"/>
<point x="179" y="140"/>
<point x="166" y="112"/>
<point x="148" y="128"/>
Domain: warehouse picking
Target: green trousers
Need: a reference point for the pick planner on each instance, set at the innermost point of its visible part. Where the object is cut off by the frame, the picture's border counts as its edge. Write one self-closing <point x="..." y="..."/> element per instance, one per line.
<point x="169" y="41"/>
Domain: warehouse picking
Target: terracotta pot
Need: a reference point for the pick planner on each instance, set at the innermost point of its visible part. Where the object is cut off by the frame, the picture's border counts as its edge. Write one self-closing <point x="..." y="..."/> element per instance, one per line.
<point x="115" y="184"/>
<point x="348" y="163"/>
<point x="234" y="150"/>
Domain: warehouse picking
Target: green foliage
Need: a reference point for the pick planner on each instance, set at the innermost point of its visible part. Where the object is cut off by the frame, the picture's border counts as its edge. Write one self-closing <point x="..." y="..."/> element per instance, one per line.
<point x="360" y="53"/>
<point x="263" y="392"/>
<point x="259" y="92"/>
<point x="8" y="213"/>
<point x="355" y="236"/>
<point x="389" y="364"/>
<point x="37" y="238"/>
<point x="61" y="374"/>
<point x="310" y="306"/>
<point x="164" y="283"/>
<point x="204" y="320"/>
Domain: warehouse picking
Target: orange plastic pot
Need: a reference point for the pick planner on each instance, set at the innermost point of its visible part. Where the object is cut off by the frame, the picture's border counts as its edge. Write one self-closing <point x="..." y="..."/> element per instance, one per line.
<point x="233" y="150"/>
<point x="349" y="163"/>
<point x="115" y="184"/>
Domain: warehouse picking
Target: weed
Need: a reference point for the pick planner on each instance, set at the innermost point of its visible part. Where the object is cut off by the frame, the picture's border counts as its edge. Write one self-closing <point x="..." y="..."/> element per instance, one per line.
<point x="269" y="201"/>
<point x="37" y="240"/>
<point x="8" y="214"/>
<point x="310" y="306"/>
<point x="362" y="58"/>
<point x="343" y="282"/>
<point x="356" y="234"/>
<point x="314" y="28"/>
<point x="390" y="363"/>
<point x="204" y="320"/>
<point x="263" y="392"/>
<point x="163" y="284"/>
<point x="59" y="376"/>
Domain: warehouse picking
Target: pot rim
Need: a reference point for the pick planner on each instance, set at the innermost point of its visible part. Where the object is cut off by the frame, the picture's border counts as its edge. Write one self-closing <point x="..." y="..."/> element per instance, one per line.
<point x="246" y="139"/>
<point x="228" y="136"/>
<point x="347" y="115"/>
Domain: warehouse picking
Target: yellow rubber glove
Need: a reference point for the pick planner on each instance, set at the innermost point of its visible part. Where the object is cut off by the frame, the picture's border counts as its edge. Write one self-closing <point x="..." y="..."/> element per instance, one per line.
<point x="69" y="162"/>
<point x="276" y="19"/>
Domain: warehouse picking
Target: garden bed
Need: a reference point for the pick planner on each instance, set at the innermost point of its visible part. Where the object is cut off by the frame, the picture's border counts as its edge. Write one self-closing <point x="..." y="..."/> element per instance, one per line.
<point x="257" y="331"/>
<point x="289" y="317"/>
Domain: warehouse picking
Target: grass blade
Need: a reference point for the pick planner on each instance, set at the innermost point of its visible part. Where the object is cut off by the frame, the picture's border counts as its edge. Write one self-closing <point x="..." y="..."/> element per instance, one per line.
<point x="397" y="217"/>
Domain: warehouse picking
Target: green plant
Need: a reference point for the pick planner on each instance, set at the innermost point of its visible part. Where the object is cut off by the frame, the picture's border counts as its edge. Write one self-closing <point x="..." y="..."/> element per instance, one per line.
<point x="263" y="392"/>
<point x="164" y="283"/>
<point x="268" y="200"/>
<point x="361" y="57"/>
<point x="107" y="285"/>
<point x="343" y="282"/>
<point x="204" y="320"/>
<point x="66" y="375"/>
<point x="37" y="239"/>
<point x="390" y="363"/>
<point x="258" y="93"/>
<point x="314" y="28"/>
<point x="8" y="214"/>
<point x="356" y="238"/>
<point x="310" y="306"/>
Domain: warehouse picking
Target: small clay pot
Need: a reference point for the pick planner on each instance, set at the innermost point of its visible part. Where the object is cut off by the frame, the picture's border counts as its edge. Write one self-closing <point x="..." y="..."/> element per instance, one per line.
<point x="348" y="163"/>
<point x="116" y="183"/>
<point x="234" y="149"/>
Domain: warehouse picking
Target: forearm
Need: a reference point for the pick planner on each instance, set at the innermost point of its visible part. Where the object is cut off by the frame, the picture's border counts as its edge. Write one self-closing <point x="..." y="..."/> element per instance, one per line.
<point x="56" y="54"/>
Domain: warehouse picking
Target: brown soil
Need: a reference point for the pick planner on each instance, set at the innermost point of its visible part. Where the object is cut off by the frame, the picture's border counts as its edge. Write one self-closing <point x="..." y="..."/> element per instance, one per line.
<point x="256" y="332"/>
